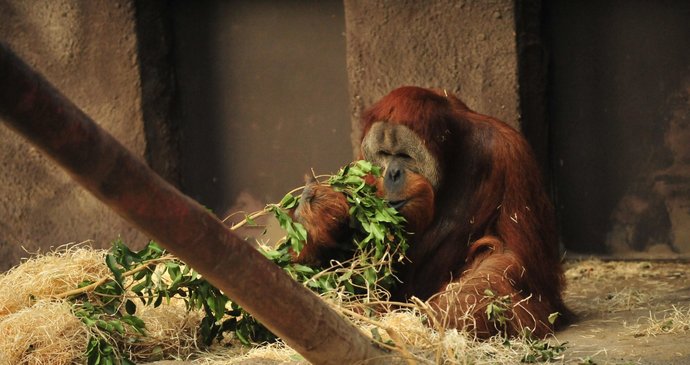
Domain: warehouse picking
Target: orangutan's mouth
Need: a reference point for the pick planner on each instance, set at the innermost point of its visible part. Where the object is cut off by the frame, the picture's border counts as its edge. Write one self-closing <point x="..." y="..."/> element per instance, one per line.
<point x="398" y="204"/>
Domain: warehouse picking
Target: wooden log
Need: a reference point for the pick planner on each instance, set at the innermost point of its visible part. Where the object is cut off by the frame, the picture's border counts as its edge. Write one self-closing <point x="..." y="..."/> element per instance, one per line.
<point x="40" y="113"/>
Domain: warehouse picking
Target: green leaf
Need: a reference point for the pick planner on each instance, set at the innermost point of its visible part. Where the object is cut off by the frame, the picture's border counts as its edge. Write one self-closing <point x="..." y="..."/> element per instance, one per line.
<point x="242" y="336"/>
<point x="271" y="254"/>
<point x="365" y="166"/>
<point x="117" y="326"/>
<point x="84" y="283"/>
<point x="130" y="307"/>
<point x="135" y="322"/>
<point x="301" y="232"/>
<point x="174" y="272"/>
<point x="346" y="276"/>
<point x="303" y="269"/>
<point x="88" y="321"/>
<point x="141" y="274"/>
<point x="553" y="316"/>
<point x="376" y="335"/>
<point x="159" y="300"/>
<point x="220" y="302"/>
<point x="250" y="220"/>
<point x="104" y="325"/>
<point x="138" y="288"/>
<point x="111" y="262"/>
<point x="288" y="202"/>
<point x="370" y="276"/>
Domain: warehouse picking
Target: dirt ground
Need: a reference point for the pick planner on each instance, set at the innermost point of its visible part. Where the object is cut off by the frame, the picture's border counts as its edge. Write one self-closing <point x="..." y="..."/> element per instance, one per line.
<point x="630" y="312"/>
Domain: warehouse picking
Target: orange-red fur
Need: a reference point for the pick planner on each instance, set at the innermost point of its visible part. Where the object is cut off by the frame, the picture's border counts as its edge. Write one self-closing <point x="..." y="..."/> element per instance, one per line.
<point x="488" y="225"/>
<point x="325" y="215"/>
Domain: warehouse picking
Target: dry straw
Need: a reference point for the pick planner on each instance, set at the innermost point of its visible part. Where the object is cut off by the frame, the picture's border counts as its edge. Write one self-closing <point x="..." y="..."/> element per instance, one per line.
<point x="45" y="276"/>
<point x="46" y="333"/>
<point x="38" y="328"/>
<point x="671" y="321"/>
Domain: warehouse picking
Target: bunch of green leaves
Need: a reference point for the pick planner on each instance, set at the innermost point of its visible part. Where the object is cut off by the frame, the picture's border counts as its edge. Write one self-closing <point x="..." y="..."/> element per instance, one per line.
<point x="381" y="225"/>
<point x="378" y="240"/>
<point x="534" y="349"/>
<point x="497" y="308"/>
<point x="541" y="350"/>
<point x="107" y="311"/>
<point x="153" y="277"/>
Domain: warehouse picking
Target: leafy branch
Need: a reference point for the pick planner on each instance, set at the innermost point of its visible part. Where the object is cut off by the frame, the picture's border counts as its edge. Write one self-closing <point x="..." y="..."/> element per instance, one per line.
<point x="107" y="306"/>
<point x="379" y="239"/>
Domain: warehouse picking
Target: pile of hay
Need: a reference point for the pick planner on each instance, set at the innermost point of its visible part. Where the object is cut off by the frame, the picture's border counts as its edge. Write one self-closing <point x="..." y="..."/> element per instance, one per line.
<point x="37" y="328"/>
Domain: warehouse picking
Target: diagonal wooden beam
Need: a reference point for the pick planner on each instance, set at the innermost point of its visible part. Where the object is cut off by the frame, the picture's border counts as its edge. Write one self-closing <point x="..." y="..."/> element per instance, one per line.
<point x="47" y="119"/>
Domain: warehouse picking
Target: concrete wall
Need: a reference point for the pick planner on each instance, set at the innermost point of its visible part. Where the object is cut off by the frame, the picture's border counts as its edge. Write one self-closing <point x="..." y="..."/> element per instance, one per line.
<point x="467" y="47"/>
<point x="87" y="49"/>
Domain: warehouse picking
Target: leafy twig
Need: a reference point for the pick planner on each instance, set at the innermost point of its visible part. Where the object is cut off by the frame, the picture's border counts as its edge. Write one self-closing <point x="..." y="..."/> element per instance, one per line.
<point x="152" y="275"/>
<point x="91" y="287"/>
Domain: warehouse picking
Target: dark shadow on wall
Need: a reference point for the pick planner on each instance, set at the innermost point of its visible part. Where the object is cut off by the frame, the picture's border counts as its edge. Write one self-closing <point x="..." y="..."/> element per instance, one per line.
<point x="157" y="75"/>
<point x="201" y="144"/>
<point x="614" y="68"/>
<point x="532" y="80"/>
